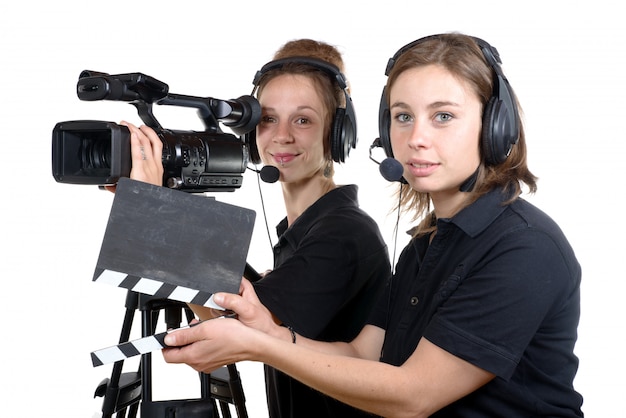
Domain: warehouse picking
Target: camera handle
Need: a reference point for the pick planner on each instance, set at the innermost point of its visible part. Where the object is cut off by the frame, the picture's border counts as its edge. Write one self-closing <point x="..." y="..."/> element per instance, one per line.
<point x="123" y="392"/>
<point x="144" y="109"/>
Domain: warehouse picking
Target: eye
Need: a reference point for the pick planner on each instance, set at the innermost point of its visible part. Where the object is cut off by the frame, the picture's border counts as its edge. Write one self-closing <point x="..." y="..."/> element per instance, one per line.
<point x="267" y="119"/>
<point x="443" y="117"/>
<point x="302" y="121"/>
<point x="403" y="117"/>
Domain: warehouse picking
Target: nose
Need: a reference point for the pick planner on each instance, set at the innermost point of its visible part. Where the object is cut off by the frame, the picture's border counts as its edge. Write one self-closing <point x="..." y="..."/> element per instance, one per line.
<point x="419" y="136"/>
<point x="282" y="133"/>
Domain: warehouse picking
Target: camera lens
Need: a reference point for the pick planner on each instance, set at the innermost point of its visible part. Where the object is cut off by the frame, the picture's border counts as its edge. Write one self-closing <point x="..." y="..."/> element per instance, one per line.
<point x="90" y="152"/>
<point x="96" y="152"/>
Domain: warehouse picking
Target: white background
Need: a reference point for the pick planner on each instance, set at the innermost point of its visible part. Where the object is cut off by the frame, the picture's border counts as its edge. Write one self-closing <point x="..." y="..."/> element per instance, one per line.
<point x="564" y="59"/>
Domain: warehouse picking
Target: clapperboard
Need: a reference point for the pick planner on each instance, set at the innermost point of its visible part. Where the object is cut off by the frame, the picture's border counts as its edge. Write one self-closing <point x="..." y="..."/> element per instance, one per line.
<point x="172" y="245"/>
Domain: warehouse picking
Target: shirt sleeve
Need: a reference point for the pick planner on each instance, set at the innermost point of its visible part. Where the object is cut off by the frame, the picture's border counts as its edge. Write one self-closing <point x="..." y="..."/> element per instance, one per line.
<point x="510" y="297"/>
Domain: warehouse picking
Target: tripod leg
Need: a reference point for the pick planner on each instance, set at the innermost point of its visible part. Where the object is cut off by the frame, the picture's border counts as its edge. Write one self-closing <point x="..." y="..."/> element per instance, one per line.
<point x="132" y="410"/>
<point x="224" y="409"/>
<point x="110" y="404"/>
<point x="237" y="391"/>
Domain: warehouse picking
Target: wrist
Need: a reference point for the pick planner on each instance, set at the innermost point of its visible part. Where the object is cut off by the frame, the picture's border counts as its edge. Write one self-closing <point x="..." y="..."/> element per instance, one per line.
<point x="292" y="333"/>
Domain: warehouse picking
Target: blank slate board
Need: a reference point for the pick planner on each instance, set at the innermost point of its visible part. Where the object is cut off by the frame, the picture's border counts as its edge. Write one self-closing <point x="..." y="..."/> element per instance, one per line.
<point x="173" y="244"/>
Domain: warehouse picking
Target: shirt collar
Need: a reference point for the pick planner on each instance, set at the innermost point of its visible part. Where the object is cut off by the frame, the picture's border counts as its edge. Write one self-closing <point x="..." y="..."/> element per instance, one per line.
<point x="476" y="217"/>
<point x="336" y="198"/>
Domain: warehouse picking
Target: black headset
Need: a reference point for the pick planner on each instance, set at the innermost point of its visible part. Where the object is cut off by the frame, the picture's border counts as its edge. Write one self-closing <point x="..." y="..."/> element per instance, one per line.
<point x="501" y="127"/>
<point x="343" y="130"/>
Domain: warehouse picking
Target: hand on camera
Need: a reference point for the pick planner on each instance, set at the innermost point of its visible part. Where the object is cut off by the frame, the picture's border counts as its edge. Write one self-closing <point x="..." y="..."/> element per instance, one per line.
<point x="146" y="151"/>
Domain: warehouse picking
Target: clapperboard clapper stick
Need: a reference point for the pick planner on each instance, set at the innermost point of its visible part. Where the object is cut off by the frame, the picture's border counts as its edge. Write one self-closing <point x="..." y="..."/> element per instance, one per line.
<point x="139" y="346"/>
<point x="173" y="245"/>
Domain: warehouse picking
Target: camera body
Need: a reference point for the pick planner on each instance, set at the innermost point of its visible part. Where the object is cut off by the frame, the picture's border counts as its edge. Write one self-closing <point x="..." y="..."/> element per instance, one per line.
<point x="95" y="152"/>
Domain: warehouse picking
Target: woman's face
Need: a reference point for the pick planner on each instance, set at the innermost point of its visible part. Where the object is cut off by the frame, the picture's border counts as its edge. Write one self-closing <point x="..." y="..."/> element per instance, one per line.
<point x="435" y="129"/>
<point x="290" y="134"/>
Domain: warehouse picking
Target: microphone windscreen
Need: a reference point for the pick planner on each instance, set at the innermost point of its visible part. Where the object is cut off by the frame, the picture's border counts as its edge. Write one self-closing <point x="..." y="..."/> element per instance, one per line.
<point x="391" y="169"/>
<point x="269" y="174"/>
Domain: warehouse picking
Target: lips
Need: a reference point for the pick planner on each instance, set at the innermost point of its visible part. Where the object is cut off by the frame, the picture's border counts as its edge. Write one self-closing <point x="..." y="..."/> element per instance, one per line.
<point x="421" y="168"/>
<point x="283" y="158"/>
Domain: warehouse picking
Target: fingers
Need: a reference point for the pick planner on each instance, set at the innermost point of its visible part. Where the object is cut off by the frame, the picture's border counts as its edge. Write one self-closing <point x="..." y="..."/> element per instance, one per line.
<point x="248" y="293"/>
<point x="205" y="312"/>
<point x="245" y="285"/>
<point x="146" y="151"/>
<point x="229" y="301"/>
<point x="207" y="345"/>
<point x="242" y="304"/>
<point x="155" y="146"/>
<point x="183" y="336"/>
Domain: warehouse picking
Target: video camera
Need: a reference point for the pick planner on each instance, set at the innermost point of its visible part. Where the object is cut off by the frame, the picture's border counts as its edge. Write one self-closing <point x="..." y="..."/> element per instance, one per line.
<point x="98" y="152"/>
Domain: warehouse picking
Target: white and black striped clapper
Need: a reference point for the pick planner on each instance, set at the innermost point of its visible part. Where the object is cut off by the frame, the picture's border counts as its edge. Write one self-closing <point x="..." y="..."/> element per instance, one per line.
<point x="140" y="346"/>
<point x="129" y="349"/>
<point x="154" y="288"/>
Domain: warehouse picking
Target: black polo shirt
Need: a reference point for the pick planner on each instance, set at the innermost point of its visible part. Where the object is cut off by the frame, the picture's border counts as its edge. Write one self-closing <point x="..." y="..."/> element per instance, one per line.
<point x="330" y="267"/>
<point x="499" y="286"/>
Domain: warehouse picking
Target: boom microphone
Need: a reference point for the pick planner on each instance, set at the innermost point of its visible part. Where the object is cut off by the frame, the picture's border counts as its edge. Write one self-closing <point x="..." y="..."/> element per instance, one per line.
<point x="391" y="169"/>
<point x="269" y="173"/>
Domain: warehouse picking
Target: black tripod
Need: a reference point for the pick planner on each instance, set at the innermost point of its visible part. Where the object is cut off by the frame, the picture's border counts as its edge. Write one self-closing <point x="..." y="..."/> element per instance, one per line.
<point x="123" y="392"/>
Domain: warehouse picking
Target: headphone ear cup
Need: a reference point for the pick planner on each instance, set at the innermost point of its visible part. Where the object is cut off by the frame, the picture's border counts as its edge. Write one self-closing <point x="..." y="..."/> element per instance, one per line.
<point x="384" y="124"/>
<point x="385" y="138"/>
<point x="487" y="140"/>
<point x="338" y="143"/>
<point x="253" y="151"/>
<point x="499" y="131"/>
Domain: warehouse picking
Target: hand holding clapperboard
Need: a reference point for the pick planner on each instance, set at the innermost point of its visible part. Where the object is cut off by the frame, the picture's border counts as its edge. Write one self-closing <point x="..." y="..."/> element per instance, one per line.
<point x="172" y="245"/>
